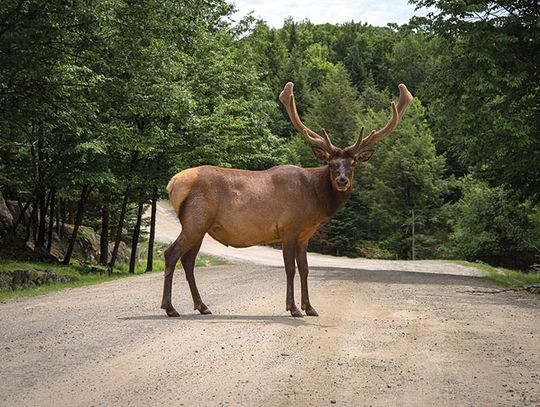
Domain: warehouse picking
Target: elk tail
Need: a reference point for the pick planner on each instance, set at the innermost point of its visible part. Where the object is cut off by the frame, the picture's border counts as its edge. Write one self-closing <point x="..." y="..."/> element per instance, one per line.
<point x="179" y="188"/>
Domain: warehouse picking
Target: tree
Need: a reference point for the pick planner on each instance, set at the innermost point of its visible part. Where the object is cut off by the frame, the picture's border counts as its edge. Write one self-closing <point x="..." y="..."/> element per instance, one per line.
<point x="234" y="110"/>
<point x="404" y="182"/>
<point x="489" y="225"/>
<point x="483" y="90"/>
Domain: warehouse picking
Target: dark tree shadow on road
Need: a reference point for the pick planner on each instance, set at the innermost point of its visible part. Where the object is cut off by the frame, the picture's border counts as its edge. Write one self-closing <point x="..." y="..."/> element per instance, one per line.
<point x="396" y="277"/>
<point x="474" y="288"/>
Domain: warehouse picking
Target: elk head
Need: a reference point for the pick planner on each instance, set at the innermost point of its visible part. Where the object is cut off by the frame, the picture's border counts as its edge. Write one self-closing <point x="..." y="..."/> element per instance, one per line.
<point x="342" y="161"/>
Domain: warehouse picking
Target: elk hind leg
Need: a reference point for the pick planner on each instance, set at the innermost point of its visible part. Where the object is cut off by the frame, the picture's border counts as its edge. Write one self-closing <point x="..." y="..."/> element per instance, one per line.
<point x="188" y="261"/>
<point x="175" y="251"/>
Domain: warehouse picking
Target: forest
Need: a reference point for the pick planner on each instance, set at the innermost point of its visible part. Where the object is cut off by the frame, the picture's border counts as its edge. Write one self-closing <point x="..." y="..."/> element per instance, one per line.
<point x="101" y="102"/>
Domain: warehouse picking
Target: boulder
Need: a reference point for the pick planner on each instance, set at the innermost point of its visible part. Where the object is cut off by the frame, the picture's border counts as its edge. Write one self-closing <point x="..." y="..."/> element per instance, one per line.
<point x="88" y="243"/>
<point x="13" y="207"/>
<point x="17" y="279"/>
<point x="123" y="252"/>
<point x="6" y="218"/>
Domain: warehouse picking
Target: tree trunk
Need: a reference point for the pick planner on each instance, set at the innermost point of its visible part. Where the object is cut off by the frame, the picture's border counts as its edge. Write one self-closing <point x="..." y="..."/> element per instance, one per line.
<point x="30" y="225"/>
<point x="135" y="240"/>
<point x="51" y="219"/>
<point x="150" y="259"/>
<point x="63" y="228"/>
<point x="42" y="224"/>
<point x="119" y="230"/>
<point x="413" y="248"/>
<point x="34" y="221"/>
<point x="78" y="220"/>
<point x="58" y="217"/>
<point x="22" y="210"/>
<point x="104" y="240"/>
<point x="20" y="218"/>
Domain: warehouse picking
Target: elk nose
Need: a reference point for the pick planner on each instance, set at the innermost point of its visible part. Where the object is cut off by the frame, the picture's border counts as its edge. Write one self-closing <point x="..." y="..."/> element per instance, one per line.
<point x="342" y="182"/>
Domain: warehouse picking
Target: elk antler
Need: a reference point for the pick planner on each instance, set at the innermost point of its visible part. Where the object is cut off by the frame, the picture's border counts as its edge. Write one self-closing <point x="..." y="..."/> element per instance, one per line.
<point x="287" y="99"/>
<point x="404" y="101"/>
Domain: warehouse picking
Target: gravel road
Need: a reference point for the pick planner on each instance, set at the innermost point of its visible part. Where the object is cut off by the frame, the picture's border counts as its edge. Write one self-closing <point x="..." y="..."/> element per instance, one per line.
<point x="390" y="333"/>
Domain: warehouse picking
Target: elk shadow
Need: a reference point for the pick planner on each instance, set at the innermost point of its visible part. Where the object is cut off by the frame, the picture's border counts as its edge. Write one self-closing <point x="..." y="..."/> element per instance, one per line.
<point x="226" y="318"/>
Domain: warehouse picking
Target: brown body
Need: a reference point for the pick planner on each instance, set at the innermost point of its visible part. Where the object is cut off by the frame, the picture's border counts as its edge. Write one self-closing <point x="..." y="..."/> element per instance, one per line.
<point x="254" y="207"/>
<point x="284" y="204"/>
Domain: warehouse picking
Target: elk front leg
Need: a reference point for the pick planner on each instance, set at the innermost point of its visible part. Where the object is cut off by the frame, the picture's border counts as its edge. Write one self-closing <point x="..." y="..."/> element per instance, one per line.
<point x="301" y="261"/>
<point x="290" y="269"/>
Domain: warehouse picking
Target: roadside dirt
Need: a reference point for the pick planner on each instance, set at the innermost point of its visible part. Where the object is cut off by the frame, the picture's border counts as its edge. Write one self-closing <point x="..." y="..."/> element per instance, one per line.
<point x="412" y="334"/>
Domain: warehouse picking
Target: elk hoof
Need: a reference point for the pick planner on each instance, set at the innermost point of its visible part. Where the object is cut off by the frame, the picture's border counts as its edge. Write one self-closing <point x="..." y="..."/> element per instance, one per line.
<point x="295" y="312"/>
<point x="310" y="311"/>
<point x="171" y="312"/>
<point x="203" y="309"/>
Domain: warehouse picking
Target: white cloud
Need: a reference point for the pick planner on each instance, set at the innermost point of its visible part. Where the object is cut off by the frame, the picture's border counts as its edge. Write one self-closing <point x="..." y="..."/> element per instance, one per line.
<point x="373" y="12"/>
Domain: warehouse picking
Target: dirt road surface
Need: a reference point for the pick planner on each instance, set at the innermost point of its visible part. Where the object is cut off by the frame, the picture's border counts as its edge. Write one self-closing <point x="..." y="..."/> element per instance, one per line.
<point x="390" y="333"/>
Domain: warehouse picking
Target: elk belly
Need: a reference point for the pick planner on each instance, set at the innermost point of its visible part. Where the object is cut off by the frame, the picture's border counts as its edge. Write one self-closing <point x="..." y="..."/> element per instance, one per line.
<point x="238" y="235"/>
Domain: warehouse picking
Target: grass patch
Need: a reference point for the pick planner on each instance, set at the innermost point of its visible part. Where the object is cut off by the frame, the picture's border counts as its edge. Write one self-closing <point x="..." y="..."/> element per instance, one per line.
<point x="504" y="277"/>
<point x="159" y="264"/>
<point x="82" y="274"/>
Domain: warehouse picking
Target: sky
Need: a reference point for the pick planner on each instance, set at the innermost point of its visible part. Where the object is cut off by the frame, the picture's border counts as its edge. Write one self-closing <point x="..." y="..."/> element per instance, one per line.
<point x="374" y="12"/>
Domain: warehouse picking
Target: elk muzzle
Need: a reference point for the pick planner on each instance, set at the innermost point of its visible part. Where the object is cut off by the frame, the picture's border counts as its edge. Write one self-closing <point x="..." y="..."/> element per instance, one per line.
<point x="343" y="183"/>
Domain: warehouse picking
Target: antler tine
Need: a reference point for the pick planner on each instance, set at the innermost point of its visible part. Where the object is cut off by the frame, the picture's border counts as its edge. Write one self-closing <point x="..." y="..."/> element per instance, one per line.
<point x="287" y="99"/>
<point x="358" y="144"/>
<point x="398" y="111"/>
<point x="318" y="142"/>
<point x="327" y="139"/>
<point x="377" y="135"/>
<point x="405" y="99"/>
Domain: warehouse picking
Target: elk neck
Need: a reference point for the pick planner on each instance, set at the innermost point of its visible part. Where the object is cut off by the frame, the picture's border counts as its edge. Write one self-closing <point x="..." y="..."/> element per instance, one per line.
<point x="331" y="200"/>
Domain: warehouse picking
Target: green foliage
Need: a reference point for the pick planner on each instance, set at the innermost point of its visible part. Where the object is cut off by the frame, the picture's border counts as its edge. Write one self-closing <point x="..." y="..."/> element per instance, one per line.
<point x="482" y="87"/>
<point x="403" y="183"/>
<point x="107" y="100"/>
<point x="335" y="106"/>
<point x="490" y="225"/>
<point x="505" y="277"/>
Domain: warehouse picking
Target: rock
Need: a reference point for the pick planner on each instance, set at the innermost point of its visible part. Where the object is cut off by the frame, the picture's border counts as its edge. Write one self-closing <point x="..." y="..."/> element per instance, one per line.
<point x="123" y="252"/>
<point x="87" y="247"/>
<point x="88" y="242"/>
<point x="6" y="218"/>
<point x="13" y="207"/>
<point x="5" y="281"/>
<point x="17" y="279"/>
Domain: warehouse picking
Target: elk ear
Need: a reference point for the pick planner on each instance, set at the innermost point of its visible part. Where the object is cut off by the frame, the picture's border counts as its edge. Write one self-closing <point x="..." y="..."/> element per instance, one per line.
<point x="364" y="156"/>
<point x="320" y="153"/>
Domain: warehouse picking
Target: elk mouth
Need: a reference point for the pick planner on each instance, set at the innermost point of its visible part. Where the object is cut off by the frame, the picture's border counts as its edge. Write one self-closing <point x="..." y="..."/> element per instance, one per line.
<point x="343" y="188"/>
<point x="342" y="184"/>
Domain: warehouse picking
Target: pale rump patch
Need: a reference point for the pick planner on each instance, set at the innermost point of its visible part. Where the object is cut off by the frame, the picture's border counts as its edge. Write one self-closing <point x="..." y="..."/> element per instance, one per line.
<point x="180" y="186"/>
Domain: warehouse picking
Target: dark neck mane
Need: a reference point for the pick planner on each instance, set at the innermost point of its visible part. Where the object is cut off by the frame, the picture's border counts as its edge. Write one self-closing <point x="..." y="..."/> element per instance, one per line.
<point x="331" y="200"/>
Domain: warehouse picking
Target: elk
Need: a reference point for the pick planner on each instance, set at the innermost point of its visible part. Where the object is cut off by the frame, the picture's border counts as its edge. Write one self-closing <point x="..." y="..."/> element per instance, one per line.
<point x="283" y="204"/>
